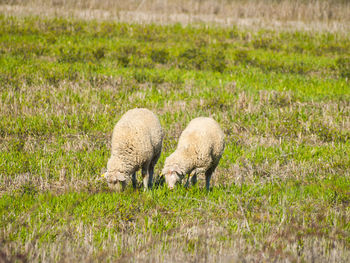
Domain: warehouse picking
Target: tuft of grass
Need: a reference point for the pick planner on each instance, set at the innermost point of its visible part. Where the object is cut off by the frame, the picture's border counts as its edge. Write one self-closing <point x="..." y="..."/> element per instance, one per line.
<point x="343" y="64"/>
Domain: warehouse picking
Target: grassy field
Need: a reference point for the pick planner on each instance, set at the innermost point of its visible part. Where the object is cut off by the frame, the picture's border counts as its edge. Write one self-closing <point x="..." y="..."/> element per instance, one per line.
<point x="281" y="191"/>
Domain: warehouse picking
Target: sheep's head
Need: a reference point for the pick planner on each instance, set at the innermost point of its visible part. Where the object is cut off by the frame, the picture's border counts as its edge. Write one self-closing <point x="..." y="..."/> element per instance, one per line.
<point x="116" y="181"/>
<point x="115" y="178"/>
<point x="172" y="177"/>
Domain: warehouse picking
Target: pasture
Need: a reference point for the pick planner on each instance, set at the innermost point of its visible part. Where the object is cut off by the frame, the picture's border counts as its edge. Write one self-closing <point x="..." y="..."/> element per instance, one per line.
<point x="282" y="188"/>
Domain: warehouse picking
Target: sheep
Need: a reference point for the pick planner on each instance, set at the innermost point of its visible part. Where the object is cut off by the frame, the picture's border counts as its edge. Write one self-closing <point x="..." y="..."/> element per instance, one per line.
<point x="136" y="144"/>
<point x="199" y="150"/>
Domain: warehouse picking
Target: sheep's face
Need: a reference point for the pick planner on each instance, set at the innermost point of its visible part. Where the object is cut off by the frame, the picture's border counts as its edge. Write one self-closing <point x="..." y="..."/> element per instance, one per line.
<point x="115" y="181"/>
<point x="110" y="178"/>
<point x="172" y="178"/>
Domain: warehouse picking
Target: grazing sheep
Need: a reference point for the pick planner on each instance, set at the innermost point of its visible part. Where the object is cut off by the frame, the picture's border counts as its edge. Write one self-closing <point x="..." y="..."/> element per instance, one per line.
<point x="198" y="152"/>
<point x="136" y="144"/>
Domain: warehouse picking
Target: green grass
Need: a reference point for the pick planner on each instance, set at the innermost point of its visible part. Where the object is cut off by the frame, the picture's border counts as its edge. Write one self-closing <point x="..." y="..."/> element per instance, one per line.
<point x="281" y="191"/>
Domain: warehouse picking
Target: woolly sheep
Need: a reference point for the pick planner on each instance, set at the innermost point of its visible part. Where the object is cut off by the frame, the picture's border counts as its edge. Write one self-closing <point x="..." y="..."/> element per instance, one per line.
<point x="136" y="144"/>
<point x="198" y="152"/>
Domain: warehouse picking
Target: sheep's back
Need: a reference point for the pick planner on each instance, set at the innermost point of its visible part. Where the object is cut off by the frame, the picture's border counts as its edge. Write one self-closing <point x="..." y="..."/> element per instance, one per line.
<point x="203" y="137"/>
<point x="137" y="134"/>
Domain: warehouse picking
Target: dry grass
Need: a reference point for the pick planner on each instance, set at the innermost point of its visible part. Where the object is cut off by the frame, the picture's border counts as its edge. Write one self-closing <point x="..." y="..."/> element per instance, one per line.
<point x="320" y="15"/>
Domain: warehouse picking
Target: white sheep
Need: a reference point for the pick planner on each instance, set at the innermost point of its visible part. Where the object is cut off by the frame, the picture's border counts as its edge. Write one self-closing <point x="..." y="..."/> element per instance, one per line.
<point x="198" y="152"/>
<point x="136" y="144"/>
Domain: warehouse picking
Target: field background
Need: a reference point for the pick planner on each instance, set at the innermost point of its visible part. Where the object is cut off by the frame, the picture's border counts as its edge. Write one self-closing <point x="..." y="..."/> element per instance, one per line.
<point x="329" y="15"/>
<point x="274" y="74"/>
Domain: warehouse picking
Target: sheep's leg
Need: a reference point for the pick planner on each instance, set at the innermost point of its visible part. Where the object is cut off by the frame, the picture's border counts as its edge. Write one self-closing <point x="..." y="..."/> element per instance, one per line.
<point x="207" y="181"/>
<point x="194" y="179"/>
<point x="208" y="175"/>
<point x="146" y="177"/>
<point x="151" y="169"/>
<point x="150" y="176"/>
<point x="187" y="184"/>
<point x="198" y="173"/>
<point x="134" y="182"/>
<point x="192" y="176"/>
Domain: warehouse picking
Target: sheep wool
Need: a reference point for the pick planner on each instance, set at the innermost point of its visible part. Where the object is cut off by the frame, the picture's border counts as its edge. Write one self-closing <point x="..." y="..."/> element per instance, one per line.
<point x="136" y="144"/>
<point x="199" y="150"/>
